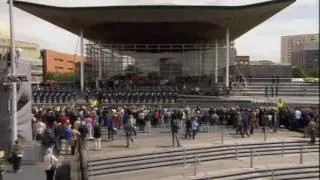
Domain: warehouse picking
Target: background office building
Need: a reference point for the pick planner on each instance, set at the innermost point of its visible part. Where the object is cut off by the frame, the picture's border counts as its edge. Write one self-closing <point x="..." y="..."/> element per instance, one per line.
<point x="242" y="60"/>
<point x="28" y="53"/>
<point x="54" y="61"/>
<point x="306" y="55"/>
<point x="294" y="43"/>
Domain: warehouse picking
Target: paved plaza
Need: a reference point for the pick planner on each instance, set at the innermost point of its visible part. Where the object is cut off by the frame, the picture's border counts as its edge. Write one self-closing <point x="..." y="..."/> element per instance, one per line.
<point x="159" y="140"/>
<point x="163" y="144"/>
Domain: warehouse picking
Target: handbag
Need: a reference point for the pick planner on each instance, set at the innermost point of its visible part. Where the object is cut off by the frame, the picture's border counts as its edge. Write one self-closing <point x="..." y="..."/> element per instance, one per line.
<point x="53" y="165"/>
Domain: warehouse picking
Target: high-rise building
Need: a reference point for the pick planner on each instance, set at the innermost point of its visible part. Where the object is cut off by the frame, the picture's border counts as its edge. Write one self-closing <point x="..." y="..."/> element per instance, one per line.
<point x="306" y="55"/>
<point x="289" y="45"/>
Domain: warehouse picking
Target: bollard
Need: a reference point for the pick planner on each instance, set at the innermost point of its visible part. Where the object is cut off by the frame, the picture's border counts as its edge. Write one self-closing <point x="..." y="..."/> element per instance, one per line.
<point x="282" y="148"/>
<point x="237" y="153"/>
<point x="265" y="134"/>
<point x="301" y="155"/>
<point x="194" y="166"/>
<point x="251" y="159"/>
<point x="272" y="174"/>
<point x="184" y="156"/>
<point x="222" y="134"/>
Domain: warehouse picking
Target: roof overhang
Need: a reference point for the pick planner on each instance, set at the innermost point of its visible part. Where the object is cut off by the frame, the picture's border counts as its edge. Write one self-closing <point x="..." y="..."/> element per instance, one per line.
<point x="157" y="24"/>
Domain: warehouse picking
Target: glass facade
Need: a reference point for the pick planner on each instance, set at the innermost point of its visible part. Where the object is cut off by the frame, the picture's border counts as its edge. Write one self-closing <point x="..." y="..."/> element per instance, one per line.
<point x="168" y="61"/>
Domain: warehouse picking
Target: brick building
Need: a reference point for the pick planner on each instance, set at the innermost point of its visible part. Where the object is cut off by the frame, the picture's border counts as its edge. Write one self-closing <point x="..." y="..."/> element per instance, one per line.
<point x="54" y="61"/>
<point x="242" y="60"/>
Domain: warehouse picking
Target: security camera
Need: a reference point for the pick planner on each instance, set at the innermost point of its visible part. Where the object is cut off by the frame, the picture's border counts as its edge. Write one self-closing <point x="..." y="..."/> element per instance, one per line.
<point x="22" y="77"/>
<point x="12" y="78"/>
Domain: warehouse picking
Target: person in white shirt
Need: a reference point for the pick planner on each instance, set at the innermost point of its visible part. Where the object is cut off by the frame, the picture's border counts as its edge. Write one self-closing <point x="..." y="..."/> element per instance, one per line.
<point x="50" y="164"/>
<point x="297" y="118"/>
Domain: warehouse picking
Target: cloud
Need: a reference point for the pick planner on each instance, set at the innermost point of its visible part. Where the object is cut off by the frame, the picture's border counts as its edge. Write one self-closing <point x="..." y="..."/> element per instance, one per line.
<point x="262" y="42"/>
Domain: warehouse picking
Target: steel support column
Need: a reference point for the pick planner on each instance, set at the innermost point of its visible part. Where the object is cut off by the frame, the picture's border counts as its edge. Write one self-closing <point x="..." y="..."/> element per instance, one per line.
<point x="216" y="63"/>
<point x="227" y="57"/>
<point x="81" y="61"/>
<point x="100" y="62"/>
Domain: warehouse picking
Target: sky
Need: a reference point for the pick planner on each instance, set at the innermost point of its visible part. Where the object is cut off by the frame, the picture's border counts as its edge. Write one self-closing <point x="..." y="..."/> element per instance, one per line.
<point x="261" y="43"/>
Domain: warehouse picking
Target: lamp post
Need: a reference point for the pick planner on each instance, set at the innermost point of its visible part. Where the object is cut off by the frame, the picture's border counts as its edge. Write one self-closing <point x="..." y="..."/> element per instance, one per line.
<point x="14" y="129"/>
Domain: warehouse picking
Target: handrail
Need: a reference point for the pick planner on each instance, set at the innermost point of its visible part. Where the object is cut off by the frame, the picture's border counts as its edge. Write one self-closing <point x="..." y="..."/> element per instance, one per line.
<point x="244" y="78"/>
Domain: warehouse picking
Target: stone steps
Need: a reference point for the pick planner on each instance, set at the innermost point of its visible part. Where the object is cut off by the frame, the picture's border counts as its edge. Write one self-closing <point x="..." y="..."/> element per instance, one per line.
<point x="120" y="164"/>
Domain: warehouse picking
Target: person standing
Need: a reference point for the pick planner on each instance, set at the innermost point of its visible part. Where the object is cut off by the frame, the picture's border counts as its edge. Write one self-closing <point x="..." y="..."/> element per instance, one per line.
<point x="109" y="123"/>
<point x="97" y="136"/>
<point x="188" y="128"/>
<point x="17" y="154"/>
<point x="239" y="124"/>
<point x="74" y="141"/>
<point x="174" y="129"/>
<point x="195" y="126"/>
<point x="245" y="122"/>
<point x="312" y="129"/>
<point x="50" y="164"/>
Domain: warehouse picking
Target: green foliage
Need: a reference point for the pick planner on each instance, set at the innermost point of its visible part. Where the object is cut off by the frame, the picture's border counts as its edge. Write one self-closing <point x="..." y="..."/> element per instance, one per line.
<point x="153" y="74"/>
<point x="132" y="70"/>
<point x="316" y="73"/>
<point x="300" y="72"/>
<point x="61" y="77"/>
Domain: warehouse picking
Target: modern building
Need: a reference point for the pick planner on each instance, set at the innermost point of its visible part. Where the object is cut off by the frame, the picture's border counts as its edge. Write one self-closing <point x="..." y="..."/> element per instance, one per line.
<point x="28" y="52"/>
<point x="242" y="60"/>
<point x="306" y="55"/>
<point x="294" y="43"/>
<point x="156" y="30"/>
<point x="54" y="61"/>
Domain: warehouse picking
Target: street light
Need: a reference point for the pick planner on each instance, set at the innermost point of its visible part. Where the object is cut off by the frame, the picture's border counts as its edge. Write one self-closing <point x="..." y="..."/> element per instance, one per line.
<point x="14" y="129"/>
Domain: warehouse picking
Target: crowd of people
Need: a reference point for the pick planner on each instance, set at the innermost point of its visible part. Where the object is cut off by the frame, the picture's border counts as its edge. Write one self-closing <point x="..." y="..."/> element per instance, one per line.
<point x="67" y="122"/>
<point x="62" y="128"/>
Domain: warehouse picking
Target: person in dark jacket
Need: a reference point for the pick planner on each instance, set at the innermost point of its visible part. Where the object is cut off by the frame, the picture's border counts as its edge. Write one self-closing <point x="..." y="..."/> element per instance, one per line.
<point x="188" y="128"/>
<point x="175" y="129"/>
<point x="97" y="136"/>
<point x="16" y="156"/>
<point x="83" y="130"/>
<point x="109" y="123"/>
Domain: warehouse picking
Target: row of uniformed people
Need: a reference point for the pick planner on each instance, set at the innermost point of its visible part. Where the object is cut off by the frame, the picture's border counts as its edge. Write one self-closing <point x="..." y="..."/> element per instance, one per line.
<point x="60" y="96"/>
<point x="133" y="89"/>
<point x="136" y="97"/>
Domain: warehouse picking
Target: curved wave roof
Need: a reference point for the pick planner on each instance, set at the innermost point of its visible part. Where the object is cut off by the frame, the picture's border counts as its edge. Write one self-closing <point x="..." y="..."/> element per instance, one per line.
<point x="157" y="24"/>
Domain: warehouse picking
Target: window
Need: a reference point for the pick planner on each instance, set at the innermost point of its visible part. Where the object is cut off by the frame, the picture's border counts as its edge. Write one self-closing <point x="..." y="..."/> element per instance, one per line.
<point x="58" y="59"/>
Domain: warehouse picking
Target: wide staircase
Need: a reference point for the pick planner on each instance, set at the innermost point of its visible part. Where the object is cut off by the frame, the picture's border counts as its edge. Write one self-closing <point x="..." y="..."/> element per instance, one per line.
<point x="272" y="159"/>
<point x="284" y="89"/>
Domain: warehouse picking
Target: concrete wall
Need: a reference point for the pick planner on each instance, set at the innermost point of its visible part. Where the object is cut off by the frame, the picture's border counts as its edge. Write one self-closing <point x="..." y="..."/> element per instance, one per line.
<point x="24" y="109"/>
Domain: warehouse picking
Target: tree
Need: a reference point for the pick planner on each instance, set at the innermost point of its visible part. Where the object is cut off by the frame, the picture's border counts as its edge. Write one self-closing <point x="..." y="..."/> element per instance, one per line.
<point x="316" y="73"/>
<point x="61" y="76"/>
<point x="300" y="72"/>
